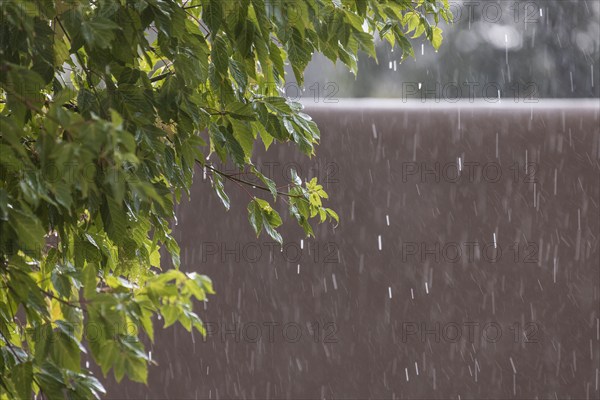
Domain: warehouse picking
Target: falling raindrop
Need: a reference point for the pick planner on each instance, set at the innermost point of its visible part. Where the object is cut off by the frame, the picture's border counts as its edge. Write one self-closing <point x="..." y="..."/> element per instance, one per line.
<point x="513" y="365"/>
<point x="496" y="144"/>
<point x="572" y="85"/>
<point x="506" y="47"/>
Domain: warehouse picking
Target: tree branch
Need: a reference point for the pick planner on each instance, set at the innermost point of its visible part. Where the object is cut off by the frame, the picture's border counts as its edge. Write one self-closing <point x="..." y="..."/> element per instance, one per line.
<point x="238" y="180"/>
<point x="160" y="77"/>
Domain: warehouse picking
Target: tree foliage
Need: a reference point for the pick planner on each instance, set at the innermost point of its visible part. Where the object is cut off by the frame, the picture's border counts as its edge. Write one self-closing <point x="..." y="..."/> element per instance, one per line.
<point x="107" y="108"/>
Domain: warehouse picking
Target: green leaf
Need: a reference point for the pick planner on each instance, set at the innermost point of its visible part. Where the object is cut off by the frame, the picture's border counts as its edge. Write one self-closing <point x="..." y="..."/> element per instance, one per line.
<point x="269" y="217"/>
<point x="23" y="89"/>
<point x="217" y="181"/>
<point x="268" y="182"/>
<point x="170" y="313"/>
<point x="206" y="283"/>
<point x="29" y="230"/>
<point x="365" y="41"/>
<point x="99" y="32"/>
<point x="266" y="138"/>
<point x="255" y="216"/>
<point x="213" y="15"/>
<point x="242" y="132"/>
<point x="220" y="55"/>
<point x="278" y="105"/>
<point x="146" y="320"/>
<point x="114" y="220"/>
<point x="299" y="53"/>
<point x="333" y="214"/>
<point x="436" y="41"/>
<point x="273" y="233"/>
<point x="89" y="280"/>
<point x="240" y="110"/>
<point x="22" y="376"/>
<point x="66" y="349"/>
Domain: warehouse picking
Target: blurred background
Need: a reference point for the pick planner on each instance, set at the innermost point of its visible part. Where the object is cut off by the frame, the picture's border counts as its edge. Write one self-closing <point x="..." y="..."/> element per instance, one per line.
<point x="507" y="50"/>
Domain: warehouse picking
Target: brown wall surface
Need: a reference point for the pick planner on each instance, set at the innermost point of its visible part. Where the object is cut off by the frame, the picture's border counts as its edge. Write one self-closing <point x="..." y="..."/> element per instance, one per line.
<point x="465" y="318"/>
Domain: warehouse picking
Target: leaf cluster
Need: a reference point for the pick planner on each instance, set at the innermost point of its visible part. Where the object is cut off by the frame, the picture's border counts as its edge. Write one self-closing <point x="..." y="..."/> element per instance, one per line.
<point x="106" y="110"/>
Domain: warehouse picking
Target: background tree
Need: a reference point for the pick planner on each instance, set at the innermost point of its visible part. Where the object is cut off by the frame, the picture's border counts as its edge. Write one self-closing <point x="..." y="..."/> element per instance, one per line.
<point x="107" y="107"/>
<point x="527" y="50"/>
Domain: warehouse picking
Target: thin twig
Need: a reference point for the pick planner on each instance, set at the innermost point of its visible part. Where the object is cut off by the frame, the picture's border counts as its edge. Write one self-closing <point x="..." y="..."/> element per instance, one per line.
<point x="63" y="301"/>
<point x="236" y="179"/>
